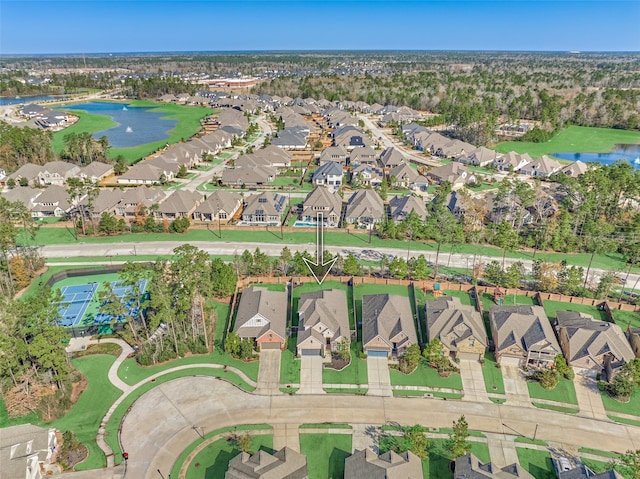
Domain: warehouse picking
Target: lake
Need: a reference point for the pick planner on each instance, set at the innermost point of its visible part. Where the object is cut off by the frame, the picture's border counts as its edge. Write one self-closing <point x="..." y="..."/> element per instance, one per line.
<point x="16" y="100"/>
<point x="136" y="125"/>
<point x="631" y="153"/>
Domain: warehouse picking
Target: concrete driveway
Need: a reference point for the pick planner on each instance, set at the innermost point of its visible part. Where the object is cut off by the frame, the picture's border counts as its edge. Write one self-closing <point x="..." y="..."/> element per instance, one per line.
<point x="269" y="372"/>
<point x="515" y="386"/>
<point x="311" y="375"/>
<point x="589" y="396"/>
<point x="378" y="377"/>
<point x="473" y="381"/>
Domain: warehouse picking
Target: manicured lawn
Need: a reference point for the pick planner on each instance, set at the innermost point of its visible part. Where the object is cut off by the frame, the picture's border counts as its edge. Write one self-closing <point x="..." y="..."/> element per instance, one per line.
<point x="601" y="466"/>
<point x="537" y="463"/>
<point x="290" y="366"/>
<point x="550" y="407"/>
<point x="85" y="416"/>
<point x="325" y="454"/>
<point x="212" y="462"/>
<point x="552" y="307"/>
<point x="563" y="392"/>
<point x="285" y="181"/>
<point x="631" y="407"/>
<point x="492" y="375"/>
<point x="509" y="300"/>
<point x="625" y="318"/>
<point x="436" y="466"/>
<point x="577" y="139"/>
<point x="425" y="375"/>
<point x="188" y="123"/>
<point x="38" y="284"/>
<point x="354" y="373"/>
<point x="325" y="426"/>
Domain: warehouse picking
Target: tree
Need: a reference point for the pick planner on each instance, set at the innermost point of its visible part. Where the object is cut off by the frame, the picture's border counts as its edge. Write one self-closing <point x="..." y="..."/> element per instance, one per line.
<point x="605" y="285"/>
<point x="494" y="274"/>
<point x="120" y="166"/>
<point x="545" y="273"/>
<point x="351" y="266"/>
<point x="563" y="368"/>
<point x="182" y="172"/>
<point x="108" y="223"/>
<point x="223" y="279"/>
<point x="260" y="264"/>
<point x="398" y="268"/>
<point x="514" y="274"/>
<point x="180" y="225"/>
<point x="570" y="279"/>
<point x="343" y="348"/>
<point x="548" y="378"/>
<point x="243" y="441"/>
<point x="419" y="268"/>
<point x="631" y="459"/>
<point x="457" y="444"/>
<point x="284" y="263"/>
<point x="505" y="237"/>
<point x="441" y="226"/>
<point x="232" y="344"/>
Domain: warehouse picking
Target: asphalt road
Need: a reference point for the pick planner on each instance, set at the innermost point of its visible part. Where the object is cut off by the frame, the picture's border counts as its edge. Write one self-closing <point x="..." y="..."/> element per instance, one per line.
<point x="111" y="251"/>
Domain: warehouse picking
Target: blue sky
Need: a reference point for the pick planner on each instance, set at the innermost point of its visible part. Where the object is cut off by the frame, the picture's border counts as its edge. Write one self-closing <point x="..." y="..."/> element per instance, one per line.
<point x="229" y="25"/>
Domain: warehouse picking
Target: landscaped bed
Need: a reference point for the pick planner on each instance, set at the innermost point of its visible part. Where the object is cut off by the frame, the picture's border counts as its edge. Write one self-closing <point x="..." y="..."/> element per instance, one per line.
<point x="426" y="376"/>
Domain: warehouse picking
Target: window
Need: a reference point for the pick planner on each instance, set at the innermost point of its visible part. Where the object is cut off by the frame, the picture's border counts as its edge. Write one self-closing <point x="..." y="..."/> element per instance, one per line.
<point x="472" y="342"/>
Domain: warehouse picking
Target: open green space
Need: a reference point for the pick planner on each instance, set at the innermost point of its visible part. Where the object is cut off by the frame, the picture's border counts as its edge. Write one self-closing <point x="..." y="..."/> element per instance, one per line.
<point x="85" y="416"/>
<point x="564" y="392"/>
<point x="537" y="463"/>
<point x="632" y="407"/>
<point x="188" y="124"/>
<point x="492" y="375"/>
<point x="601" y="466"/>
<point x="354" y="373"/>
<point x="337" y="237"/>
<point x="325" y="454"/>
<point x="213" y="460"/>
<point x="579" y="139"/>
<point x="426" y="376"/>
<point x="552" y="307"/>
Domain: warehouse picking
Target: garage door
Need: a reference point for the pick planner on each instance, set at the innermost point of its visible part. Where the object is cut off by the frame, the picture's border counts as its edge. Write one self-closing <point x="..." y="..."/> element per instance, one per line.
<point x="510" y="361"/>
<point x="469" y="356"/>
<point x="310" y="352"/>
<point x="377" y="354"/>
<point x="269" y="345"/>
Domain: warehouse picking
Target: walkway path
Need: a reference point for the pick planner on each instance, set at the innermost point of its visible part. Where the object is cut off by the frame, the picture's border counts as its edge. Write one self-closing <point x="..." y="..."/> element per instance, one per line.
<point x="502" y="449"/>
<point x="589" y="397"/>
<point x="365" y="436"/>
<point x="286" y="435"/>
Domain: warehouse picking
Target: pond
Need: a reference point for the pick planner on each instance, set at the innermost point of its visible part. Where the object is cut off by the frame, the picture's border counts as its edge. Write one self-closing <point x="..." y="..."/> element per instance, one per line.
<point x="135" y="125"/>
<point x="630" y="153"/>
<point x="17" y="100"/>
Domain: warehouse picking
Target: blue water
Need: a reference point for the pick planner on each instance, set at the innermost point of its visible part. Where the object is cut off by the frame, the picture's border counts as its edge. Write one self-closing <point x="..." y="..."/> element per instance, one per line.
<point x="630" y="153"/>
<point x="27" y="99"/>
<point x="136" y="125"/>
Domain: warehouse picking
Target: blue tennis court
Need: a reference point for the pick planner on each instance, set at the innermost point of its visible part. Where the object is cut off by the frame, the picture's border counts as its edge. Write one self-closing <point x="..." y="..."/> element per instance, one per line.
<point x="74" y="303"/>
<point x="132" y="292"/>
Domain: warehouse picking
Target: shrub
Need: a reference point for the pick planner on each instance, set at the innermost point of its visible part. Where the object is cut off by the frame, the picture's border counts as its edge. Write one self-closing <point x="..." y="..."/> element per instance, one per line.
<point x="548" y="378"/>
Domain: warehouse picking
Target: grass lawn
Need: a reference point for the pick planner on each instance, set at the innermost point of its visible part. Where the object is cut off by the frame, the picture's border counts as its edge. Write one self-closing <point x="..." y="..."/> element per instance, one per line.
<point x="425" y="375"/>
<point x="550" y="407"/>
<point x="492" y="375"/>
<point x="85" y="416"/>
<point x="537" y="463"/>
<point x="188" y="124"/>
<point x="625" y="318"/>
<point x="325" y="454"/>
<point x="37" y="285"/>
<point x="601" y="466"/>
<point x="354" y="373"/>
<point x="290" y="366"/>
<point x="577" y="139"/>
<point x="632" y="407"/>
<point x="509" y="300"/>
<point x="436" y="466"/>
<point x="212" y="462"/>
<point x="563" y="392"/>
<point x="552" y="307"/>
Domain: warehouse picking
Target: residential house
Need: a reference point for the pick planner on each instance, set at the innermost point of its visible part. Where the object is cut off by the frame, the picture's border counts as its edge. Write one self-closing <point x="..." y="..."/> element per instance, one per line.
<point x="458" y="204"/>
<point x="264" y="208"/>
<point x="364" y="155"/>
<point x="26" y="451"/>
<point x="323" y="322"/>
<point x="523" y="335"/>
<point x="390" y="158"/>
<point x="221" y="205"/>
<point x="283" y="464"/>
<point x="455" y="173"/>
<point x="135" y="201"/>
<point x="329" y="175"/>
<point x="402" y="206"/>
<point x="145" y="173"/>
<point x="543" y="166"/>
<point x="57" y="173"/>
<point x="262" y="317"/>
<point x="179" y="204"/>
<point x="364" y="209"/>
<point x="583" y="472"/>
<point x="96" y="171"/>
<point x="321" y="200"/>
<point x="52" y="202"/>
<point x="229" y="117"/>
<point x="387" y="325"/>
<point x="23" y="194"/>
<point x="243" y="176"/>
<point x="32" y="110"/>
<point x="350" y="137"/>
<point x="479" y="157"/>
<point x="293" y="138"/>
<point x="29" y="172"/>
<point x="575" y="169"/>
<point x="469" y="467"/>
<point x="334" y="154"/>
<point x="596" y="346"/>
<point x="105" y="202"/>
<point x="459" y="328"/>
<point x="512" y="161"/>
<point x="366" y="464"/>
<point x="367" y="175"/>
<point x="403" y="176"/>
<point x="277" y="157"/>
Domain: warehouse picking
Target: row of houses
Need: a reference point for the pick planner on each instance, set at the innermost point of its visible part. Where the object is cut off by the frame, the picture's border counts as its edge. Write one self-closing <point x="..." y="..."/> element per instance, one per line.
<point x="41" y="117"/>
<point x="58" y="172"/>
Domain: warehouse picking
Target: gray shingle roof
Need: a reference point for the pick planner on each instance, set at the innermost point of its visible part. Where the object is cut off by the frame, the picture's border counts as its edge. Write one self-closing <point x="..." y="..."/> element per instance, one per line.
<point x="452" y="322"/>
<point x="366" y="464"/>
<point x="387" y="316"/>
<point x="270" y="305"/>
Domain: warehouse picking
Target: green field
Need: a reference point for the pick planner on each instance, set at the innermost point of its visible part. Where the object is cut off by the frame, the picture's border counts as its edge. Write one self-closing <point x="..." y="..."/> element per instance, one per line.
<point x="492" y="375"/>
<point x="579" y="139"/>
<point x="564" y="392"/>
<point x="538" y="463"/>
<point x="426" y="376"/>
<point x="188" y="118"/>
<point x="325" y="454"/>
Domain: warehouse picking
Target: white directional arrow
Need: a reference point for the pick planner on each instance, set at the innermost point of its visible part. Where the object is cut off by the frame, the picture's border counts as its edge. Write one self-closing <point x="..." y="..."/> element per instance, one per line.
<point x="325" y="267"/>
